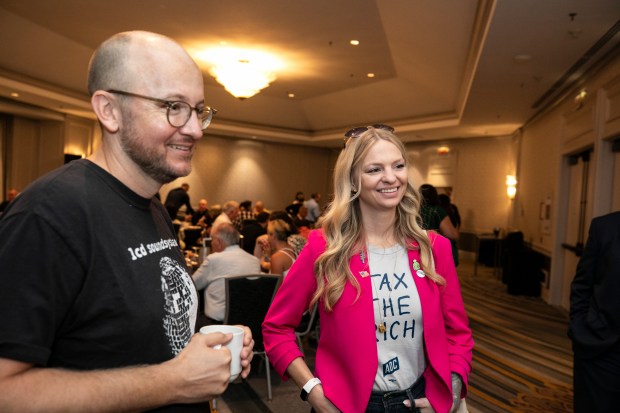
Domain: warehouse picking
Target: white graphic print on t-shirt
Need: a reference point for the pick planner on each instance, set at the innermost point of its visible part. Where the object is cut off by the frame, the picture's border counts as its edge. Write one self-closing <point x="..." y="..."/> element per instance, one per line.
<point x="142" y="251"/>
<point x="180" y="304"/>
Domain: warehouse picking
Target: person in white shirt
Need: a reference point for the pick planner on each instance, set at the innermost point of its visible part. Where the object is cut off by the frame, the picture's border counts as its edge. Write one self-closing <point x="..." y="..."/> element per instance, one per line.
<point x="228" y="259"/>
<point x="230" y="211"/>
<point x="314" y="210"/>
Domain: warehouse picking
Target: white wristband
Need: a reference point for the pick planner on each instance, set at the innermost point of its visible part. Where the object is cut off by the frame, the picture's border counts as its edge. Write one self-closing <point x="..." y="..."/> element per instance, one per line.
<point x="305" y="391"/>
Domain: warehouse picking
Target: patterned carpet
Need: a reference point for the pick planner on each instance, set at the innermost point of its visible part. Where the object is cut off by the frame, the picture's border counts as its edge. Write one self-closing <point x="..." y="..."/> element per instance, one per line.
<point x="522" y="356"/>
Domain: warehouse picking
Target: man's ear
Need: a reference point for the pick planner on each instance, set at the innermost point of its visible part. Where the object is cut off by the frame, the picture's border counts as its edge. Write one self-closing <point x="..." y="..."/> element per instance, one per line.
<point x="107" y="111"/>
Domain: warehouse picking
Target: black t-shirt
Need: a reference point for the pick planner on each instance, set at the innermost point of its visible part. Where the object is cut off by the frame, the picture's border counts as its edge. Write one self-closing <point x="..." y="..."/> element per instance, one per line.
<point x="91" y="275"/>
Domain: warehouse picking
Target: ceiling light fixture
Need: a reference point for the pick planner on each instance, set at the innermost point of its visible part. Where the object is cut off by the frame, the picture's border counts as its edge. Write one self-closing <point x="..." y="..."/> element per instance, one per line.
<point x="355" y="42"/>
<point x="242" y="72"/>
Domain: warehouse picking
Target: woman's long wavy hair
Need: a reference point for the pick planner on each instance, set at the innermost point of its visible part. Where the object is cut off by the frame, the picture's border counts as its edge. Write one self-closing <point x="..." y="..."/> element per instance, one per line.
<point x="342" y="222"/>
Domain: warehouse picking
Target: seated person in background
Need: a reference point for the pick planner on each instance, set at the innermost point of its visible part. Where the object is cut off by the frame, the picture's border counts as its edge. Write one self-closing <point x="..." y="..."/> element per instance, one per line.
<point x="252" y="229"/>
<point x="262" y="249"/>
<point x="245" y="213"/>
<point x="297" y="202"/>
<point x="215" y="211"/>
<point x="300" y="219"/>
<point x="201" y="217"/>
<point x="259" y="206"/>
<point x="282" y="255"/>
<point x="314" y="209"/>
<point x="303" y="225"/>
<point x="230" y="211"/>
<point x="227" y="259"/>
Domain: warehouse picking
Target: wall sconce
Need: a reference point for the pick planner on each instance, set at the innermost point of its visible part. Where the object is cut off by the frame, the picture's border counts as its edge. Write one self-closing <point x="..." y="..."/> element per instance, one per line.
<point x="511" y="186"/>
<point x="579" y="99"/>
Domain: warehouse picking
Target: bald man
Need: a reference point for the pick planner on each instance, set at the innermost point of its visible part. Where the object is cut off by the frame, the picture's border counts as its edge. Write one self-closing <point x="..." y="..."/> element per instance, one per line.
<point x="103" y="318"/>
<point x="202" y="216"/>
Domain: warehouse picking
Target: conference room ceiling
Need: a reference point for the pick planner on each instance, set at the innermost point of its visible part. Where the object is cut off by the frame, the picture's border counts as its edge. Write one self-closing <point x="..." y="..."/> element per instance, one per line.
<point x="443" y="69"/>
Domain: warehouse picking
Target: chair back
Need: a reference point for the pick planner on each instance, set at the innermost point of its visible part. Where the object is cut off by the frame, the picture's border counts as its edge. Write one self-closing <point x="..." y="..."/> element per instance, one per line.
<point x="248" y="298"/>
<point x="308" y="320"/>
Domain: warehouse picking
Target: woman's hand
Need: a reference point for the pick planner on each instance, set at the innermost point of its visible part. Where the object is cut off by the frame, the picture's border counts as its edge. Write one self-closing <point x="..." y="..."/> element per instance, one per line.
<point x="319" y="402"/>
<point x="422" y="405"/>
<point x="457" y="386"/>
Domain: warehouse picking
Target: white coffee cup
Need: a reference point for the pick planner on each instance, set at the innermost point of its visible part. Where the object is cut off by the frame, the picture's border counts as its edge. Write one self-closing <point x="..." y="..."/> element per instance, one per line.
<point x="234" y="345"/>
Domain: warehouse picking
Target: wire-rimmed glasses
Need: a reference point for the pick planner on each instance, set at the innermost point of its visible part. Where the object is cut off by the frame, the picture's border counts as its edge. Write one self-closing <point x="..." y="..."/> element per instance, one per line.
<point x="178" y="112"/>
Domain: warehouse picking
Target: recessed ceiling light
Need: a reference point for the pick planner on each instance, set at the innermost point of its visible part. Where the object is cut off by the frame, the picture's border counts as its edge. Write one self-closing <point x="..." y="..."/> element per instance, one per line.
<point x="291" y="95"/>
<point x="14" y="94"/>
<point x="370" y="74"/>
<point x="355" y="42"/>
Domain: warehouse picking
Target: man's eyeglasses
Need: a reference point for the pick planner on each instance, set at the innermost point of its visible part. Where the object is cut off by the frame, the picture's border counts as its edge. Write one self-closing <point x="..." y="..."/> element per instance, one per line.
<point x="177" y="111"/>
<point x="356" y="132"/>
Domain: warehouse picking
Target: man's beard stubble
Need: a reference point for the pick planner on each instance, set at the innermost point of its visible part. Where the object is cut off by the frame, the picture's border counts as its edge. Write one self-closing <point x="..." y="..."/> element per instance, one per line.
<point x="148" y="159"/>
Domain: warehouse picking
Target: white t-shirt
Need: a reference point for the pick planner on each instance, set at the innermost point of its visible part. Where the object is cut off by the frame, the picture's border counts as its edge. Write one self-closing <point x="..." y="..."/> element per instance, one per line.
<point x="397" y="306"/>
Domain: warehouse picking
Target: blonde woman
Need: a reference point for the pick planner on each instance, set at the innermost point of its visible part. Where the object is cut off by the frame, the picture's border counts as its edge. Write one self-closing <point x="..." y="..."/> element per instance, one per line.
<point x="394" y="333"/>
<point x="282" y="256"/>
<point x="263" y="249"/>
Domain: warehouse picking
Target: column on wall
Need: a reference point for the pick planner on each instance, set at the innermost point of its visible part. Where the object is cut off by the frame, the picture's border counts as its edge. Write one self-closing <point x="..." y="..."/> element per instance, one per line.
<point x="35" y="147"/>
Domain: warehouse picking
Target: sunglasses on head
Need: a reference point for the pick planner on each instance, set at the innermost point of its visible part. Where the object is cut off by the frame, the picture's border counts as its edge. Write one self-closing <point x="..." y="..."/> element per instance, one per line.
<point x="356" y="132"/>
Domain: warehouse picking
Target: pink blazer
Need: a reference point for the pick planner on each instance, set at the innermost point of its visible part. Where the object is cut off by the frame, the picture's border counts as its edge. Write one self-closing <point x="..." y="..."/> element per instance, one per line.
<point x="346" y="359"/>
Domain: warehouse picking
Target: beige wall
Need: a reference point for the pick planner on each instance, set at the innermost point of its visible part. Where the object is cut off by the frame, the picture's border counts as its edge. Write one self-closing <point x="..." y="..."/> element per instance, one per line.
<point x="476" y="171"/>
<point x="232" y="169"/>
<point x="539" y="160"/>
<point x="34" y="148"/>
<point x="81" y="136"/>
<point x="37" y="146"/>
<point x="225" y="169"/>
